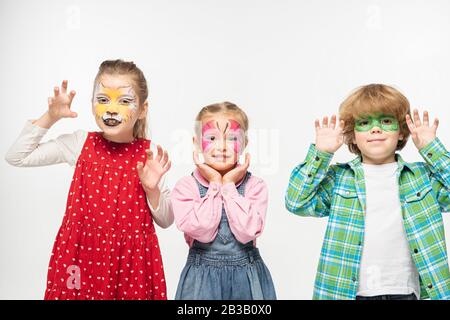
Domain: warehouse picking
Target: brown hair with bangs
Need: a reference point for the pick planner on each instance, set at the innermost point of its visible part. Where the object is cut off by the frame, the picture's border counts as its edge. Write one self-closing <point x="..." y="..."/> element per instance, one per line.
<point x="370" y="99"/>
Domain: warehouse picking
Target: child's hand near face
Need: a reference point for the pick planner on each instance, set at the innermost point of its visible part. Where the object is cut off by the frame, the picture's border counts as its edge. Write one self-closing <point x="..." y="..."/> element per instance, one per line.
<point x="206" y="171"/>
<point x="329" y="138"/>
<point x="235" y="175"/>
<point x="151" y="173"/>
<point x="421" y="132"/>
<point x="58" y="107"/>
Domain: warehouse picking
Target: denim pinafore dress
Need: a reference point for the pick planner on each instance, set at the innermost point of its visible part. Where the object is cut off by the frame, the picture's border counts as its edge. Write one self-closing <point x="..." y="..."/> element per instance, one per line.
<point x="225" y="269"/>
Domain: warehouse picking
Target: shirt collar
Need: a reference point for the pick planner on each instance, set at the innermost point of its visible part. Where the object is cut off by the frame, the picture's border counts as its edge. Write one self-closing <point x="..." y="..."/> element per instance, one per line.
<point x="356" y="163"/>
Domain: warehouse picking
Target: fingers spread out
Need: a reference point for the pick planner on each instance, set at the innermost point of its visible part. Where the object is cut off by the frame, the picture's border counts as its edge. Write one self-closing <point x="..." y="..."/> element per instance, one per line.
<point x="164" y="159"/>
<point x="333" y="122"/>
<point x="64" y="86"/>
<point x="436" y="124"/>
<point x="317" y="124"/>
<point x="409" y="123"/>
<point x="168" y="165"/>
<point x="329" y="124"/>
<point x="140" y="168"/>
<point x="426" y="121"/>
<point x="149" y="154"/>
<point x="159" y="154"/>
<point x="72" y="95"/>
<point x="417" y="121"/>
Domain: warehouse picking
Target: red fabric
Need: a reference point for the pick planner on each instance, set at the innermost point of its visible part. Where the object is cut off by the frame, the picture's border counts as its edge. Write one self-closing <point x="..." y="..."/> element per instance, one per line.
<point x="107" y="235"/>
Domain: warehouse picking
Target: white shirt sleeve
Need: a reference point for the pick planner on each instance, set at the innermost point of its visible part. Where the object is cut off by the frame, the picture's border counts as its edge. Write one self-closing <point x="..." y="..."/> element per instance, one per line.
<point x="163" y="214"/>
<point x="28" y="151"/>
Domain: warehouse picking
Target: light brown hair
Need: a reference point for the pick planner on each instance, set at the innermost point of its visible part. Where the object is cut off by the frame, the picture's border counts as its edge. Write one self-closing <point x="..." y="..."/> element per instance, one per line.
<point x="227" y="108"/>
<point x="122" y="67"/>
<point x="370" y="99"/>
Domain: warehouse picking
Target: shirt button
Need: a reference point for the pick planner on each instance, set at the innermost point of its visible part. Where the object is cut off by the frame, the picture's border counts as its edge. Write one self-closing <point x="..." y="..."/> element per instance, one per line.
<point x="317" y="158"/>
<point x="429" y="155"/>
<point x="309" y="175"/>
<point x="430" y="286"/>
<point x="418" y="194"/>
<point x="359" y="243"/>
<point x="415" y="250"/>
<point x="354" y="279"/>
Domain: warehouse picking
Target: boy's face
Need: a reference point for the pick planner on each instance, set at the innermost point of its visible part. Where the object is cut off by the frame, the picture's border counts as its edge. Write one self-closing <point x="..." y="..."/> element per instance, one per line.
<point x="377" y="137"/>
<point x="221" y="141"/>
<point x="115" y="105"/>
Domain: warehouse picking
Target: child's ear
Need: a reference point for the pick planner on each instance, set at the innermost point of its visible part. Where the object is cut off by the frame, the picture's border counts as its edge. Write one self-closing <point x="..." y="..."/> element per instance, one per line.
<point x="194" y="139"/>
<point x="144" y="110"/>
<point x="195" y="143"/>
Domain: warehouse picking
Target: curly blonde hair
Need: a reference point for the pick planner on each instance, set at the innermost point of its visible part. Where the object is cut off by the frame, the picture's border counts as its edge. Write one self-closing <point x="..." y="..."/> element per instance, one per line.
<point x="370" y="99"/>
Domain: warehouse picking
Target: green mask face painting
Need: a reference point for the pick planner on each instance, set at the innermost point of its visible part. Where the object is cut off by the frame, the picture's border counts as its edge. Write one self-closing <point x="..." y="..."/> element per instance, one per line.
<point x="382" y="121"/>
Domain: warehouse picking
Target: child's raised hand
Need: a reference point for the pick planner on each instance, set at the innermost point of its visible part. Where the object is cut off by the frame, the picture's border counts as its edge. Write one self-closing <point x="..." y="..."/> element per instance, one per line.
<point x="235" y="175"/>
<point x="329" y="138"/>
<point x="421" y="132"/>
<point x="155" y="167"/>
<point x="206" y="171"/>
<point x="59" y="104"/>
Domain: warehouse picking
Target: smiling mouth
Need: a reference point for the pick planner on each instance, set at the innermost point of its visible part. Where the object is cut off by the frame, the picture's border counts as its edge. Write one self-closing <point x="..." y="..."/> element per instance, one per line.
<point x="221" y="157"/>
<point x="376" y="140"/>
<point x="111" y="120"/>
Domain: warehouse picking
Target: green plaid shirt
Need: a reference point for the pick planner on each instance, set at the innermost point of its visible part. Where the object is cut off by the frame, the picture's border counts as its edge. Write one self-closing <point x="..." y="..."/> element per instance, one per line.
<point x="317" y="189"/>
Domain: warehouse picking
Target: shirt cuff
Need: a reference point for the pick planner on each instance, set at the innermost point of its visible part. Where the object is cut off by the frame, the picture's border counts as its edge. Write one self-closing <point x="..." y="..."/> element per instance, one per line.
<point x="159" y="204"/>
<point x="319" y="156"/>
<point x="214" y="188"/>
<point x="34" y="128"/>
<point x="434" y="152"/>
<point x="229" y="190"/>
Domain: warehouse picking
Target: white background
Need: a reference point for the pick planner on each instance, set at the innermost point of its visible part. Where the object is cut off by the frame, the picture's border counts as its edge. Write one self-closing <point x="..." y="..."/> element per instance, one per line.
<point x="284" y="62"/>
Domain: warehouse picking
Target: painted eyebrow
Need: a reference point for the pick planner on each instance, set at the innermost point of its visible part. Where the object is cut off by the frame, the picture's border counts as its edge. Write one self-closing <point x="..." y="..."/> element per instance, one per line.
<point x="225" y="130"/>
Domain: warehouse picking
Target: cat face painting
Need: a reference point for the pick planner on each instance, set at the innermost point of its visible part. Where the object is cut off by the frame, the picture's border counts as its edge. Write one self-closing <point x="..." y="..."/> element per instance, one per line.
<point x="115" y="106"/>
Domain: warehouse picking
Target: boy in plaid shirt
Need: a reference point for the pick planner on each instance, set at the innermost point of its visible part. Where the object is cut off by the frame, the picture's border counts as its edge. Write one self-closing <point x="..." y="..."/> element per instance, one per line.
<point x="385" y="236"/>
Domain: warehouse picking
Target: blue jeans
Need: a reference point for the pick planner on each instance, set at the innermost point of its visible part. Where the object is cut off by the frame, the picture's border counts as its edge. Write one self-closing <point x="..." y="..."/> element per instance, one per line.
<point x="411" y="296"/>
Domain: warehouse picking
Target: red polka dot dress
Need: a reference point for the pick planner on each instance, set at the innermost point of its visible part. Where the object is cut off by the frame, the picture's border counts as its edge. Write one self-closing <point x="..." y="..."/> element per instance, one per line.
<point x="107" y="247"/>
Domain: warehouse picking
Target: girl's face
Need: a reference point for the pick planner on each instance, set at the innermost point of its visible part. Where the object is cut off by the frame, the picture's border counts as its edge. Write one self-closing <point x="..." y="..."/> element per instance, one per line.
<point x="115" y="106"/>
<point x="222" y="141"/>
<point x="377" y="137"/>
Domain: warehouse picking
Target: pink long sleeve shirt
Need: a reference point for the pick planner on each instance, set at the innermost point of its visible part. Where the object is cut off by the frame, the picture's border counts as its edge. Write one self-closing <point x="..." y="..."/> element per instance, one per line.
<point x="199" y="218"/>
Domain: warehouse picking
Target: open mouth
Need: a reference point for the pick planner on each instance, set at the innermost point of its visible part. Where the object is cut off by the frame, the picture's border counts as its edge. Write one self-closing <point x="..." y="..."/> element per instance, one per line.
<point x="111" y="120"/>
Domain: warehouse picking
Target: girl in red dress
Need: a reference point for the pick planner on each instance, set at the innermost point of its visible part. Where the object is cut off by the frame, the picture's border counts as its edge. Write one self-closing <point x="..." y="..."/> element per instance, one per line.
<point x="106" y="247"/>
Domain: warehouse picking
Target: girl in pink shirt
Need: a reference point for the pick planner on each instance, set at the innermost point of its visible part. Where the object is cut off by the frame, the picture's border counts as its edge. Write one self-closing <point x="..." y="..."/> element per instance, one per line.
<point x="221" y="209"/>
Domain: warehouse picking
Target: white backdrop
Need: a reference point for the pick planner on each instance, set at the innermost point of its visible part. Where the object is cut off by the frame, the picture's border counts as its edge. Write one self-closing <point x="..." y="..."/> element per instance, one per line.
<point x="284" y="62"/>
